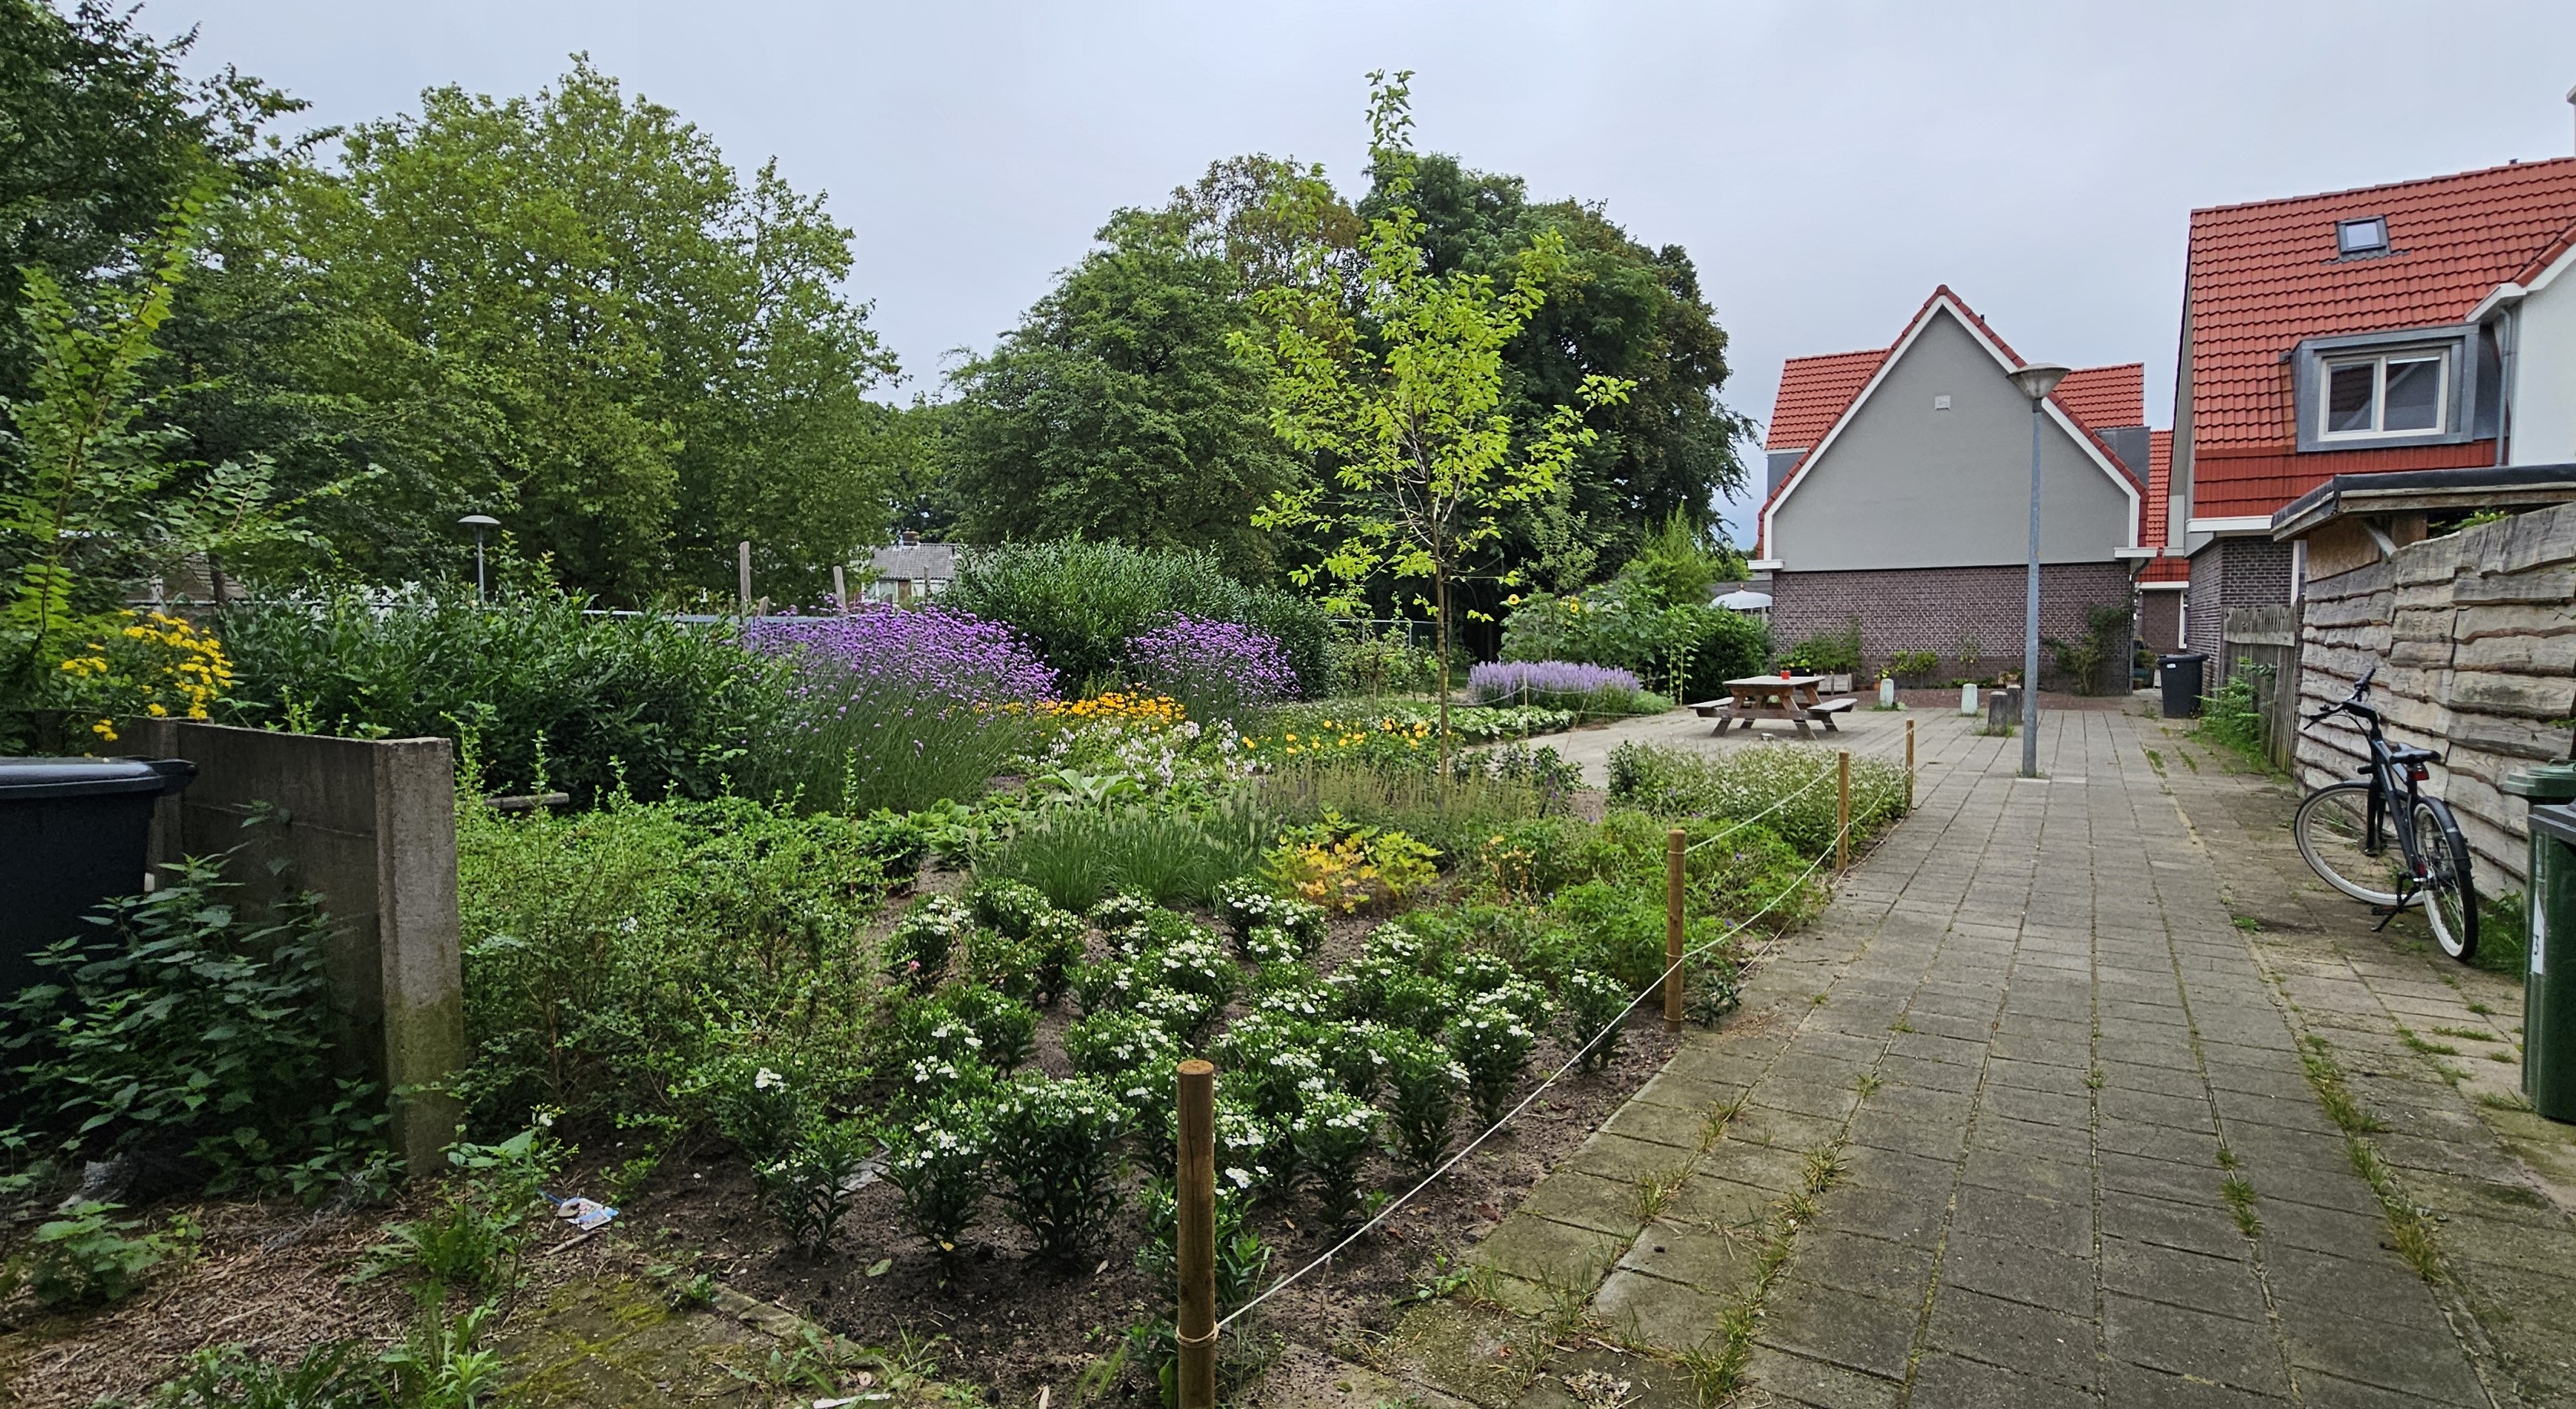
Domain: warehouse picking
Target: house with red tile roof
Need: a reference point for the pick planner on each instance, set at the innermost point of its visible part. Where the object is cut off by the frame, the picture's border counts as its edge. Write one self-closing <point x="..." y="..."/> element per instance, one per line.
<point x="2420" y="325"/>
<point x="1898" y="496"/>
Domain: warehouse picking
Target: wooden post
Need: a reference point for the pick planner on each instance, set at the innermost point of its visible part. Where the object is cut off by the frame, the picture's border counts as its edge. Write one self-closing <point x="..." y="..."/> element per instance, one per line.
<point x="1673" y="928"/>
<point x="742" y="574"/>
<point x="1909" y="765"/>
<point x="1842" y="810"/>
<point x="841" y="602"/>
<point x="1197" y="1234"/>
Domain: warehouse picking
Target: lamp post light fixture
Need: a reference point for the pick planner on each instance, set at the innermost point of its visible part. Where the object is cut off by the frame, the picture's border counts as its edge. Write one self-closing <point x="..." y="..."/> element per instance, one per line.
<point x="479" y="523"/>
<point x="2036" y="380"/>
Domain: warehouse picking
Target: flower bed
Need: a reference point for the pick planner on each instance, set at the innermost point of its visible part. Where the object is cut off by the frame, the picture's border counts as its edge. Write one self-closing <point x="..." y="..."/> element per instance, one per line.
<point x="1593" y="691"/>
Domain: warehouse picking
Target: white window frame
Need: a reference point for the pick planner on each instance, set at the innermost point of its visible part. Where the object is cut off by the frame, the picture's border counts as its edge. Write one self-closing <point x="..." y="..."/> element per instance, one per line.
<point x="2378" y="363"/>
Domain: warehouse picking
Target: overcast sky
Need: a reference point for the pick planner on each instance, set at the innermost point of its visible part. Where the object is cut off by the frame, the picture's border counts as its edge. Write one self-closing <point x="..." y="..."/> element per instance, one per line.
<point x="1825" y="164"/>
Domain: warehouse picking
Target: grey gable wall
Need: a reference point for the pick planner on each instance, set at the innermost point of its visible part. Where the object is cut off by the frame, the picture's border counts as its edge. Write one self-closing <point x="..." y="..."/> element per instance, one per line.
<point x="1905" y="486"/>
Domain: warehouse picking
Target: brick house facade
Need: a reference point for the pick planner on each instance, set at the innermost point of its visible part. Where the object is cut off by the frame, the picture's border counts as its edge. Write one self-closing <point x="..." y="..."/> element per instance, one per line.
<point x="1944" y="610"/>
<point x="2228" y="573"/>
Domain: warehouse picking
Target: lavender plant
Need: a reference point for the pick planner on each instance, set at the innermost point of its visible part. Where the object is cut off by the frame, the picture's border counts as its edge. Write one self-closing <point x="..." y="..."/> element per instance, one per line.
<point x="1557" y="684"/>
<point x="1216" y="669"/>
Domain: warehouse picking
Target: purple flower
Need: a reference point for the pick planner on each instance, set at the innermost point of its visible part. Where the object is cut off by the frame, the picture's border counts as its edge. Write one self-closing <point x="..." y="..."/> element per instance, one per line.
<point x="930" y="649"/>
<point x="1530" y="679"/>
<point x="1193" y="657"/>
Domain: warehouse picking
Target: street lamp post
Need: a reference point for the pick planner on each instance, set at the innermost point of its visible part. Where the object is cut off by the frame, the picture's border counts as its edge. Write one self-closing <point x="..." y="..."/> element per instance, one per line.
<point x="2036" y="380"/>
<point x="478" y="523"/>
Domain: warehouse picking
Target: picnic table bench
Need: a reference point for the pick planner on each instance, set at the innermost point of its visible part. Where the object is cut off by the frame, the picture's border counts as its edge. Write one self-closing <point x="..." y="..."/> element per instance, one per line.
<point x="1791" y="699"/>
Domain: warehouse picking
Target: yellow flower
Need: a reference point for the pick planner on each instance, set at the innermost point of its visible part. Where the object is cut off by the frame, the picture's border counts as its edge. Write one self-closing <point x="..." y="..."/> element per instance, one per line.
<point x="155" y="710"/>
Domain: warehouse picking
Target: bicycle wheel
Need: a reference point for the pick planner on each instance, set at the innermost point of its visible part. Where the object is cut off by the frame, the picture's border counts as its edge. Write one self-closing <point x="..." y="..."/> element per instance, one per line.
<point x="2340" y="842"/>
<point x="2451" y="896"/>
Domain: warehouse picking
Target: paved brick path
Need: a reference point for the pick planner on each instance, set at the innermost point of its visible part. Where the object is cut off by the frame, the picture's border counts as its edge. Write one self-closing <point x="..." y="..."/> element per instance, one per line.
<point x="2029" y="1114"/>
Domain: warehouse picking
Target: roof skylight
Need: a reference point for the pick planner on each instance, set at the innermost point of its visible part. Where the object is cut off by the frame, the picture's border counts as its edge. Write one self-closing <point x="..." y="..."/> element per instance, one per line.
<point x="2368" y="235"/>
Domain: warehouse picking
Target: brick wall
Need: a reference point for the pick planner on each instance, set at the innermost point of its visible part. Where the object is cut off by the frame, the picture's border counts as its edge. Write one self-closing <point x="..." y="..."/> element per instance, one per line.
<point x="1935" y="609"/>
<point x="2160" y="620"/>
<point x="2232" y="573"/>
<point x="2474" y="634"/>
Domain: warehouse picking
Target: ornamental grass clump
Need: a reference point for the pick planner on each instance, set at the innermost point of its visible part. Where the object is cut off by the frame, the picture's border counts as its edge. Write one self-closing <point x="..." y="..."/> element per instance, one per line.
<point x="1055" y="1154"/>
<point x="1423" y="1083"/>
<point x="1216" y="669"/>
<point x="918" y="948"/>
<point x="1492" y="1045"/>
<point x="1590" y="690"/>
<point x="939" y="1164"/>
<point x="1596" y="1010"/>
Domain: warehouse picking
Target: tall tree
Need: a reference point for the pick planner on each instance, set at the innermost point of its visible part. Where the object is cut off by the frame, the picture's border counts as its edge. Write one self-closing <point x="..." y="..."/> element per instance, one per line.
<point x="1118" y="410"/>
<point x="1404" y="395"/>
<point x="1621" y="310"/>
<point x="566" y="311"/>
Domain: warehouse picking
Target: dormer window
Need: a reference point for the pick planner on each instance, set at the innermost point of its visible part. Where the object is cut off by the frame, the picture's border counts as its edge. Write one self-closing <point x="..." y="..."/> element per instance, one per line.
<point x="2398" y="393"/>
<point x="2355" y="238"/>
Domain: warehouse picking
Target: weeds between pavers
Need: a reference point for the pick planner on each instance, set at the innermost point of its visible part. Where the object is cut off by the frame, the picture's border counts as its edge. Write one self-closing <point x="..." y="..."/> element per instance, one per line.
<point x="2410" y="1231"/>
<point x="1717" y="1370"/>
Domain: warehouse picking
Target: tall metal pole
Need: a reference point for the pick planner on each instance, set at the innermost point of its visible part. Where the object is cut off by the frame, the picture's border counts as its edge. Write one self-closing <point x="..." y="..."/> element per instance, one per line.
<point x="2030" y="616"/>
<point x="478" y="567"/>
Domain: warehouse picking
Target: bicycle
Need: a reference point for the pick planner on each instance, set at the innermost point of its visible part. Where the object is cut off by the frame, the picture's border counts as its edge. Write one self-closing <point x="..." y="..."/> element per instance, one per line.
<point x="2344" y="831"/>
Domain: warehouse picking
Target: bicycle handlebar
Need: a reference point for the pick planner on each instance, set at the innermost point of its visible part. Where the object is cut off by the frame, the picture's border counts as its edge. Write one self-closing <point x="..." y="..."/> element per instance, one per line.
<point x="2360" y="689"/>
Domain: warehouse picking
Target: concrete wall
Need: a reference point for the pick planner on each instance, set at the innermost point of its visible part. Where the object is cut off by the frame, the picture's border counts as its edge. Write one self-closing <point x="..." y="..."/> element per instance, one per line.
<point x="2544" y="374"/>
<point x="1936" y="609"/>
<point x="2474" y="634"/>
<point x="369" y="825"/>
<point x="1906" y="486"/>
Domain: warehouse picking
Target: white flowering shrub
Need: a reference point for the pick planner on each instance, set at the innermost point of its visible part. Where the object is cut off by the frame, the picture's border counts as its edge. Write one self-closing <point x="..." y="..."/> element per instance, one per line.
<point x="1492" y="1045"/>
<point x="1121" y="909"/>
<point x="1055" y="942"/>
<point x="1198" y="966"/>
<point x="1241" y="1256"/>
<point x="1332" y="1137"/>
<point x="1355" y="1054"/>
<point x="1382" y="989"/>
<point x="1248" y="905"/>
<point x="1185" y="1015"/>
<point x="918" y="948"/>
<point x="1596" y="1007"/>
<point x="1055" y="1156"/>
<point x="938" y="1163"/>
<point x="1518" y="996"/>
<point x="1252" y="1152"/>
<point x="1001" y="963"/>
<point x="1004" y="1028"/>
<point x="758" y="1107"/>
<point x="1110" y="984"/>
<point x="1267" y="945"/>
<point x="1010" y="908"/>
<point x="1290" y="987"/>
<point x="1476" y="972"/>
<point x="1423" y="1084"/>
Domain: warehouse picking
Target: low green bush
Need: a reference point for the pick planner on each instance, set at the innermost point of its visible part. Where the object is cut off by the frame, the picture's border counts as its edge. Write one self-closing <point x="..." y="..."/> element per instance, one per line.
<point x="809" y="1187"/>
<point x="1055" y="1155"/>
<point x="1790" y="788"/>
<point x="1596" y="1009"/>
<point x="939" y="1163"/>
<point x="1074" y="856"/>
<point x="1423" y="1084"/>
<point x="87" y="1257"/>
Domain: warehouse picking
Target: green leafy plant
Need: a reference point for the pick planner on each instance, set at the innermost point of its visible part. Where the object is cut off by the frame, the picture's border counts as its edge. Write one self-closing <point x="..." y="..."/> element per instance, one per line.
<point x="1334" y="1136"/>
<point x="1423" y="1084"/>
<point x="918" y="948"/>
<point x="1492" y="1045"/>
<point x="479" y="1232"/>
<point x="1055" y="1155"/>
<point x="1345" y="868"/>
<point x="442" y="1364"/>
<point x="938" y="1163"/>
<point x="1005" y="1028"/>
<point x="2232" y="716"/>
<point x="1786" y="789"/>
<point x="332" y="1375"/>
<point x="760" y="1109"/>
<point x="179" y="1026"/>
<point x="1594" y="1008"/>
<point x="87" y="1258"/>
<point x="1829" y="652"/>
<point x="1913" y="665"/>
<point x="808" y="1188"/>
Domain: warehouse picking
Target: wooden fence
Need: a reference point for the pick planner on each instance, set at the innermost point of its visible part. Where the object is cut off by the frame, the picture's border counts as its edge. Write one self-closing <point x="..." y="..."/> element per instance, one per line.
<point x="2261" y="645"/>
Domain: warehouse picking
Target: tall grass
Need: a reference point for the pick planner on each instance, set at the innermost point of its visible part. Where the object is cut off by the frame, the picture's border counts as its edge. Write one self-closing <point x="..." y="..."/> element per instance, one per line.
<point x="1076" y="855"/>
<point x="855" y="742"/>
<point x="1789" y="787"/>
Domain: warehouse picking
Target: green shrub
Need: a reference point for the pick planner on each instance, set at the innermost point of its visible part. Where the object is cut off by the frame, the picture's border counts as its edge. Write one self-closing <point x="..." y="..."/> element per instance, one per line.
<point x="1333" y="1136"/>
<point x="1454" y="819"/>
<point x="808" y="1188"/>
<point x="917" y="949"/>
<point x="1005" y="965"/>
<point x="1492" y="1045"/>
<point x="614" y="957"/>
<point x="938" y="1163"/>
<point x="478" y="1234"/>
<point x="178" y="1026"/>
<point x="1913" y="665"/>
<point x="592" y="705"/>
<point x="1747" y="783"/>
<point x="332" y="1375"/>
<point x="1596" y="1008"/>
<point x="85" y="1258"/>
<point x="2232" y="714"/>
<point x="1828" y="652"/>
<point x="1009" y="908"/>
<point x="1005" y="1028"/>
<point x="1055" y="1153"/>
<point x="1423" y="1082"/>
<point x="1055" y="945"/>
<point x="1079" y="602"/>
<point x="760" y="1109"/>
<point x="1355" y="1054"/>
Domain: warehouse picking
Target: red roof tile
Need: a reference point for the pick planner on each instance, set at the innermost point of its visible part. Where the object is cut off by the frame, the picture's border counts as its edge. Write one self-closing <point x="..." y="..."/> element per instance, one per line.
<point x="2106" y="398"/>
<point x="2155" y="518"/>
<point x="2265" y="276"/>
<point x="1813" y="393"/>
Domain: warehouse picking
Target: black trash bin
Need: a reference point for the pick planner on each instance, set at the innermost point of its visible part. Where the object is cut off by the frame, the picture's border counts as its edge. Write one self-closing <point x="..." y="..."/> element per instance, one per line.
<point x="73" y="832"/>
<point x="2182" y="675"/>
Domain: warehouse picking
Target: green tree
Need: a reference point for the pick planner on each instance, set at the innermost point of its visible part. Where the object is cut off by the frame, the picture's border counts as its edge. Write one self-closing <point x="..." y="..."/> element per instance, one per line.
<point x="566" y="311"/>
<point x="1117" y="410"/>
<point x="1404" y="397"/>
<point x="1619" y="310"/>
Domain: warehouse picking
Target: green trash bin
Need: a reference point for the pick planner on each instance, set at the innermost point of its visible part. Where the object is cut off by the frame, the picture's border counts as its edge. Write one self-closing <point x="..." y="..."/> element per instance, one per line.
<point x="2549" y="981"/>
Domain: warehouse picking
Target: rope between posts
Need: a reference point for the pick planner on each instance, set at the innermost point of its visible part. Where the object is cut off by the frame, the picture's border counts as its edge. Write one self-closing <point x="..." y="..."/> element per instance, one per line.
<point x="1541" y="1089"/>
<point x="1888" y="751"/>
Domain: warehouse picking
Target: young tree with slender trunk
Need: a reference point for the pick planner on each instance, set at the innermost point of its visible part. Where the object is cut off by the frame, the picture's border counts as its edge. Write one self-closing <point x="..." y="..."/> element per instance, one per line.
<point x="1399" y="390"/>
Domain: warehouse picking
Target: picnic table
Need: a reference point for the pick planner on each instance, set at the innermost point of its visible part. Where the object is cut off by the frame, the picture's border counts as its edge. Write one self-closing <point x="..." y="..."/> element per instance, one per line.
<point x="1791" y="699"/>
